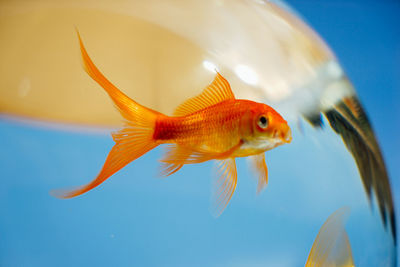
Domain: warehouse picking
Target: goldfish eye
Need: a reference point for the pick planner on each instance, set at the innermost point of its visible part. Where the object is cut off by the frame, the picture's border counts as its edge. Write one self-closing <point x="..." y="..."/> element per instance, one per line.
<point x="262" y="122"/>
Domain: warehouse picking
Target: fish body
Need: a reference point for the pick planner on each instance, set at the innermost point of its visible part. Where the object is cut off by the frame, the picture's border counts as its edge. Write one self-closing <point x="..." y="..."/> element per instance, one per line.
<point x="211" y="126"/>
<point x="218" y="128"/>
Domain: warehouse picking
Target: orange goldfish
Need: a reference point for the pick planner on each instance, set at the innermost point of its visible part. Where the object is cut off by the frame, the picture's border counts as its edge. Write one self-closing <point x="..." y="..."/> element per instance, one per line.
<point x="211" y="126"/>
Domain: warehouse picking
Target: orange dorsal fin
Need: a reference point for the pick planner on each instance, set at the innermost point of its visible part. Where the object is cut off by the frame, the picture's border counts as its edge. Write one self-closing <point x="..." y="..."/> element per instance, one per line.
<point x="219" y="90"/>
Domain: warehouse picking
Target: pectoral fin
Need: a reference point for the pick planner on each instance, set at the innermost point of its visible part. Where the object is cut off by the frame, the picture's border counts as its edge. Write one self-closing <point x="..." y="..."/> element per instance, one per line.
<point x="259" y="167"/>
<point x="224" y="185"/>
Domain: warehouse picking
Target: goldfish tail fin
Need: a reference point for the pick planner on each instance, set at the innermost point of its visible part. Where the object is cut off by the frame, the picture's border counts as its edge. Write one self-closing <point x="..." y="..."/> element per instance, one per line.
<point x="128" y="108"/>
<point x="131" y="142"/>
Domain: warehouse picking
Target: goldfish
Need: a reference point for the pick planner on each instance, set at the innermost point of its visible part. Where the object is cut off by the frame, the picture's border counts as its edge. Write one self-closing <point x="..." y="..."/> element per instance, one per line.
<point x="211" y="126"/>
<point x="332" y="246"/>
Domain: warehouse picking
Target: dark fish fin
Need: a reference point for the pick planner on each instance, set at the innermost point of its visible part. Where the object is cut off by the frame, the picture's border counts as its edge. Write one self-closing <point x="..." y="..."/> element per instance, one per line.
<point x="348" y="119"/>
<point x="315" y="119"/>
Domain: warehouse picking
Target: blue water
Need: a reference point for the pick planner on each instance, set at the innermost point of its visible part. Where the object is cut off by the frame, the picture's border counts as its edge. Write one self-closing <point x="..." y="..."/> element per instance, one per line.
<point x="136" y="219"/>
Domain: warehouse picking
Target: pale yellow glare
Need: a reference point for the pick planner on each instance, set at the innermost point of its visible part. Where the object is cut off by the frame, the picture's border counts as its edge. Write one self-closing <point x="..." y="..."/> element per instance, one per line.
<point x="246" y="74"/>
<point x="210" y="66"/>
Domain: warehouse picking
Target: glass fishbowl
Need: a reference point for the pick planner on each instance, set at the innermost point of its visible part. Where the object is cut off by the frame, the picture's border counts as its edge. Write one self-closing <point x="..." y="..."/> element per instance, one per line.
<point x="56" y="123"/>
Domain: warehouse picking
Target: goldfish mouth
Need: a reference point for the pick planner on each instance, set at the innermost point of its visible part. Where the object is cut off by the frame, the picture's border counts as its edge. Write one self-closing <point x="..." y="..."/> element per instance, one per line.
<point x="285" y="137"/>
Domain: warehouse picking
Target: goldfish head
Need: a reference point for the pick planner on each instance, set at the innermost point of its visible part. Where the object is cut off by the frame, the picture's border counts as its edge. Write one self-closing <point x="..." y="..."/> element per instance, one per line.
<point x="266" y="128"/>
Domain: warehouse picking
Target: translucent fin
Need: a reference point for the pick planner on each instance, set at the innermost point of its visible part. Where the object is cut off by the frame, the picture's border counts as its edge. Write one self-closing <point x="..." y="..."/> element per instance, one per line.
<point x="131" y="142"/>
<point x="219" y="90"/>
<point x="173" y="151"/>
<point x="332" y="245"/>
<point x="261" y="171"/>
<point x="168" y="169"/>
<point x="179" y="154"/>
<point x="224" y="185"/>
